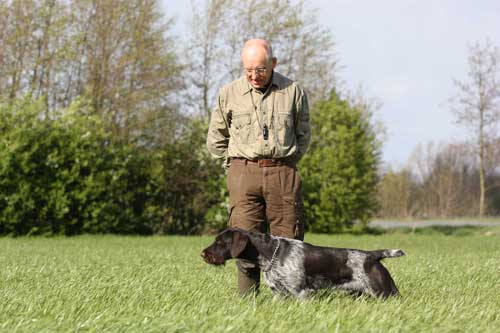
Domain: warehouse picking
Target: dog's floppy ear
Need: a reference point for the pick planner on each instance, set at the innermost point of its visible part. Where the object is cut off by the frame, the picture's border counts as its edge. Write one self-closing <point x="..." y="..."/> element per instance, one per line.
<point x="239" y="243"/>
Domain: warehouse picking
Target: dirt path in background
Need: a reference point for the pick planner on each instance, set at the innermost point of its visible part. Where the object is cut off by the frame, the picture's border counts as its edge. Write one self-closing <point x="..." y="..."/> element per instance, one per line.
<point x="421" y="224"/>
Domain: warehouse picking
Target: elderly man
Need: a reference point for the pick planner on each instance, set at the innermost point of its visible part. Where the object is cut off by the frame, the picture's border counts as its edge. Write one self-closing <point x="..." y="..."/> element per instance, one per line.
<point x="261" y="129"/>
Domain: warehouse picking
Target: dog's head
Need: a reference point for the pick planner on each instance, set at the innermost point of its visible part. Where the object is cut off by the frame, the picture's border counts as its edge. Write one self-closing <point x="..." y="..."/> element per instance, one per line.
<point x="228" y="244"/>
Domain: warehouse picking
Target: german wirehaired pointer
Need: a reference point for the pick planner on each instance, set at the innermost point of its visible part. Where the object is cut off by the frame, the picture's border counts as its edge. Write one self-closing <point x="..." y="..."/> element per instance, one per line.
<point x="297" y="268"/>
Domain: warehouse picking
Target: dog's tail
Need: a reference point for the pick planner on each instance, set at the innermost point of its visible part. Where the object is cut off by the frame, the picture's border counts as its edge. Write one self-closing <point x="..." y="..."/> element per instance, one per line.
<point x="386" y="253"/>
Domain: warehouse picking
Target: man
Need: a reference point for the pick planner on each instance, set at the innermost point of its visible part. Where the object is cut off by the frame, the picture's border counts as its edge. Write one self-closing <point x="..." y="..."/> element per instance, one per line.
<point x="261" y="128"/>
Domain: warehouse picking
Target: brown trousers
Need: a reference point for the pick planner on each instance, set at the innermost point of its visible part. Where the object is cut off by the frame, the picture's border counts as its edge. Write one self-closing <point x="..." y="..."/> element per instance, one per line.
<point x="264" y="197"/>
<point x="261" y="198"/>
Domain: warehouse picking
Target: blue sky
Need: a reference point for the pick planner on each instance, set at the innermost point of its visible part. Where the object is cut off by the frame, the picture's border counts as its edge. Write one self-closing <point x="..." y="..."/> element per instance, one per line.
<point x="404" y="53"/>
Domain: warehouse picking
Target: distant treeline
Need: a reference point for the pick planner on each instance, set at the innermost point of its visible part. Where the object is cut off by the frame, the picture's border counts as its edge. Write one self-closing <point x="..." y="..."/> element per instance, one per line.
<point x="104" y="116"/>
<point x="440" y="181"/>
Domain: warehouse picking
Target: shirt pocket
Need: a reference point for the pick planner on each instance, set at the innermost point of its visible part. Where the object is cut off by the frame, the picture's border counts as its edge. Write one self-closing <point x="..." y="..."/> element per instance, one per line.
<point x="284" y="128"/>
<point x="242" y="125"/>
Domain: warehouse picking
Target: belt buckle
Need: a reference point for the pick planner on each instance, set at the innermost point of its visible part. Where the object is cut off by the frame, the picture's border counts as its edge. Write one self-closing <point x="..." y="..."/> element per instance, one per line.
<point x="267" y="162"/>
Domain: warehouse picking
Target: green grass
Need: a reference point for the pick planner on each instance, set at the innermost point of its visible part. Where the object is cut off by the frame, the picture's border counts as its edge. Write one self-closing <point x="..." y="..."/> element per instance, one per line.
<point x="468" y="219"/>
<point x="450" y="283"/>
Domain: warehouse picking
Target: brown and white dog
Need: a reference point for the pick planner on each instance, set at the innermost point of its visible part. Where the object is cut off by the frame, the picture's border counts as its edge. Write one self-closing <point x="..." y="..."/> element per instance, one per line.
<point x="298" y="268"/>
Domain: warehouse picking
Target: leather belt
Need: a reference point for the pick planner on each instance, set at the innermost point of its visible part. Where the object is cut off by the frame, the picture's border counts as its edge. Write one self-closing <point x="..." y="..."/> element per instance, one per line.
<point x="265" y="162"/>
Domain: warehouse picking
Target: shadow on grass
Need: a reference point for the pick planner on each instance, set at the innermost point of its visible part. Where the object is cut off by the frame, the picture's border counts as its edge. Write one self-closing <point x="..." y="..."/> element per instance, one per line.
<point x="446" y="230"/>
<point x="460" y="231"/>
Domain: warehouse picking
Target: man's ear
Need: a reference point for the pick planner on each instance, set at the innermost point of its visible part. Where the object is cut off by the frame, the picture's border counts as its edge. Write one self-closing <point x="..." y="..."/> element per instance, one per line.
<point x="239" y="243"/>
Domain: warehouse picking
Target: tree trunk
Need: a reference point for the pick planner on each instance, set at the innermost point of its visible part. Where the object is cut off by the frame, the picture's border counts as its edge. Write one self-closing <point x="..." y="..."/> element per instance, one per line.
<point x="481" y="164"/>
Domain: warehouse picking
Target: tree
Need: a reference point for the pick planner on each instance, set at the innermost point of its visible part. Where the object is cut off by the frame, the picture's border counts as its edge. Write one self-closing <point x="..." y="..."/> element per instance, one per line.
<point x="340" y="169"/>
<point x="304" y="49"/>
<point x="396" y="194"/>
<point x="477" y="103"/>
<point x="118" y="54"/>
<point x="445" y="179"/>
<point x="206" y="53"/>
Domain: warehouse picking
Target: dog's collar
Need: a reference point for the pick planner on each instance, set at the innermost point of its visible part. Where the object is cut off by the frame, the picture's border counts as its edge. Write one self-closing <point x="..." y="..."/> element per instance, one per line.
<point x="273" y="258"/>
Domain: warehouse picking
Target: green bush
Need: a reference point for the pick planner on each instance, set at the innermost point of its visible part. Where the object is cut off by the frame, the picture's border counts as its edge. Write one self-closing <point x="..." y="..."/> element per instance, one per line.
<point x="197" y="190"/>
<point x="63" y="174"/>
<point x="340" y="170"/>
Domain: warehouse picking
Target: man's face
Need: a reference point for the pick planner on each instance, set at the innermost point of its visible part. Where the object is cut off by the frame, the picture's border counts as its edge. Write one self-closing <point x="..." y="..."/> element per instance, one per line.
<point x="258" y="70"/>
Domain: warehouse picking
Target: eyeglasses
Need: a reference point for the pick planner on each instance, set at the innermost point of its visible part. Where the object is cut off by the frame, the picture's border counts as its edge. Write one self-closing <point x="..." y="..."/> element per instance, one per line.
<point x="258" y="71"/>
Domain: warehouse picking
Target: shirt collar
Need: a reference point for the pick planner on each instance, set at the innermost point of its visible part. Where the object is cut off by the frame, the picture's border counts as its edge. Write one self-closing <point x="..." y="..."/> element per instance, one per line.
<point x="275" y="81"/>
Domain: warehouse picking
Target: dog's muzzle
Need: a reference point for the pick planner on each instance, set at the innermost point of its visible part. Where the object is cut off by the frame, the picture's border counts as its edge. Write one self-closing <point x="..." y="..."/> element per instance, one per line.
<point x="211" y="259"/>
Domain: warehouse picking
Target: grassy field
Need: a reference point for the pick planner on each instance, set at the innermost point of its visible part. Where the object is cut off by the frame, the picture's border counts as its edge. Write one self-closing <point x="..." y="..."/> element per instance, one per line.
<point x="450" y="283"/>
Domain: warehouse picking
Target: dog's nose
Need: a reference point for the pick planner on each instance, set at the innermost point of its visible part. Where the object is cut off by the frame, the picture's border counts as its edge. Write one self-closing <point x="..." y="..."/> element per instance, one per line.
<point x="203" y="254"/>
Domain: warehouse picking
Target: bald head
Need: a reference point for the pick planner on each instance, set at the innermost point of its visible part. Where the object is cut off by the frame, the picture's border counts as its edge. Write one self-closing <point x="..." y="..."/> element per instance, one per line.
<point x="257" y="47"/>
<point x="258" y="62"/>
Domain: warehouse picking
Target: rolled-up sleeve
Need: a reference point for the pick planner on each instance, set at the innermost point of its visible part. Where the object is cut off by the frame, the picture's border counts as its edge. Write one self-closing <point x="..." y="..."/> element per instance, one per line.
<point x="218" y="131"/>
<point x="302" y="125"/>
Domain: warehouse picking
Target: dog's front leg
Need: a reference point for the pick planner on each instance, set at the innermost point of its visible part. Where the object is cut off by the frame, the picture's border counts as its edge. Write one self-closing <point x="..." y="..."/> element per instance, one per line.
<point x="304" y="294"/>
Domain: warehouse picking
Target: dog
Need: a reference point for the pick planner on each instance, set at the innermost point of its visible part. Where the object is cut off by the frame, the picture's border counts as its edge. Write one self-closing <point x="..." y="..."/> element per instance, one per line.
<point x="293" y="267"/>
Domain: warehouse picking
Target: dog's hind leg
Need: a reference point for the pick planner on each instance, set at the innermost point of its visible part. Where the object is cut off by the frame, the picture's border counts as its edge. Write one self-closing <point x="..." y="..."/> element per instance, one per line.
<point x="380" y="281"/>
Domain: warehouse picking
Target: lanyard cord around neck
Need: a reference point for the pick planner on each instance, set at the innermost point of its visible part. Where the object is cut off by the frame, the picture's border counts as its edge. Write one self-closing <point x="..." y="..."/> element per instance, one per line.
<point x="265" y="128"/>
<point x="254" y="107"/>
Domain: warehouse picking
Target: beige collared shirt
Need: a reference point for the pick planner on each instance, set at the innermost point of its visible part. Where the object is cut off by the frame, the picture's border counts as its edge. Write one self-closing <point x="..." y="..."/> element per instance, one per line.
<point x="238" y="122"/>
